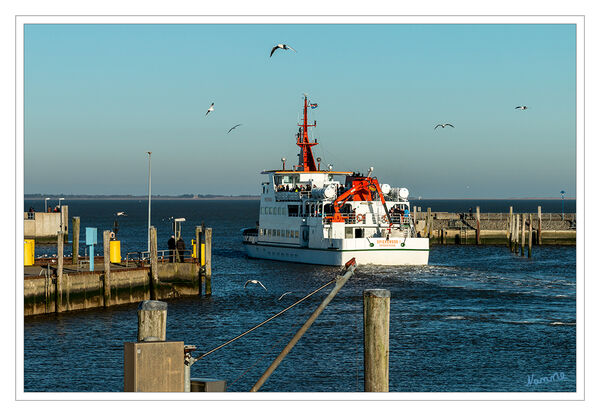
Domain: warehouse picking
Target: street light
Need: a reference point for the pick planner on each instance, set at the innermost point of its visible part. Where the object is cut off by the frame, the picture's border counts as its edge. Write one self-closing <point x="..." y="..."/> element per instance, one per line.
<point x="60" y="213"/>
<point x="149" y="194"/>
<point x="562" y="194"/>
<point x="46" y="204"/>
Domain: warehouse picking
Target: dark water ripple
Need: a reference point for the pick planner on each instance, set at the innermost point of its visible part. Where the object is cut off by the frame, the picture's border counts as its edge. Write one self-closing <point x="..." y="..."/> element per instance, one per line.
<point x="475" y="319"/>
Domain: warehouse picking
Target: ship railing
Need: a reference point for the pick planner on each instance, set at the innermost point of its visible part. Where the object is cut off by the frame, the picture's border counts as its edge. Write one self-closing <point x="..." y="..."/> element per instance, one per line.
<point x="292" y="195"/>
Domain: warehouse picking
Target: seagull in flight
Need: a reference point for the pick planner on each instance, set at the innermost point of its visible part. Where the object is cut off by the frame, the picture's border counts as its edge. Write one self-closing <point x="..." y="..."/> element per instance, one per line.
<point x="255" y="282"/>
<point x="281" y="46"/>
<point x="211" y="108"/>
<point x="281" y="297"/>
<point x="121" y="214"/>
<point x="443" y="125"/>
<point x="233" y="127"/>
<point x="521" y="107"/>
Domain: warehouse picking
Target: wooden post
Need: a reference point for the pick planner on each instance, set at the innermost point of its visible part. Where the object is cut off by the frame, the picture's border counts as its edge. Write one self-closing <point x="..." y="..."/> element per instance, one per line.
<point x="516" y="243"/>
<point x="523" y="235"/>
<point x="75" y="255"/>
<point x="429" y="222"/>
<point x="530" y="235"/>
<point x="106" y="282"/>
<point x="478" y="230"/>
<point x="376" y="314"/>
<point x="208" y="260"/>
<point x="415" y="217"/>
<point x="443" y="236"/>
<point x="539" y="234"/>
<point x="509" y="226"/>
<point x="152" y="321"/>
<point x="153" y="264"/>
<point x="58" y="303"/>
<point x="199" y="258"/>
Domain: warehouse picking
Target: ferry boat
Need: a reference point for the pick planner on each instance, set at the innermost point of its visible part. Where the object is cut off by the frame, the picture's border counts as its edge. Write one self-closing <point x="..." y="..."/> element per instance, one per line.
<point x="321" y="216"/>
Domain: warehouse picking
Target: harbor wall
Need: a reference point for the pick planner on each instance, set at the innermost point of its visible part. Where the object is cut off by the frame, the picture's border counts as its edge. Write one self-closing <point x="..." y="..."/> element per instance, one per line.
<point x="461" y="228"/>
<point x="85" y="290"/>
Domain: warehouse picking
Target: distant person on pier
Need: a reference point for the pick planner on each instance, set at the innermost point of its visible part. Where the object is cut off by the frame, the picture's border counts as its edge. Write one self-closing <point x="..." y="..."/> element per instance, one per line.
<point x="180" y="249"/>
<point x="171" y="246"/>
<point x="31" y="209"/>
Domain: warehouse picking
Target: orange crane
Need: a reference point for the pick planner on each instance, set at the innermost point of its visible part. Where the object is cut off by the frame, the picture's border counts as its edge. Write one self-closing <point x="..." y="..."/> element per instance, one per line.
<point x="361" y="190"/>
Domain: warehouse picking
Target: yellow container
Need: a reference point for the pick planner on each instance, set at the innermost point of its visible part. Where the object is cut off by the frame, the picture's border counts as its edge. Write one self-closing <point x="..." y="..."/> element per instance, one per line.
<point x="195" y="254"/>
<point x="29" y="252"/>
<point x="115" y="251"/>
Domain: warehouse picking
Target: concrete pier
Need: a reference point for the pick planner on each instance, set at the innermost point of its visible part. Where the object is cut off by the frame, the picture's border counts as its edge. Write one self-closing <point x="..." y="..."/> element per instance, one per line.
<point x="495" y="228"/>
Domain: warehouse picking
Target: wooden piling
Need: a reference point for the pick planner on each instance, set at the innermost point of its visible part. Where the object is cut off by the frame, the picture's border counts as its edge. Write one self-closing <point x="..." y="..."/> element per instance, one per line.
<point x="59" y="307"/>
<point x="376" y="314"/>
<point x="530" y="235"/>
<point x="429" y="222"/>
<point x="523" y="235"/>
<point x="208" y="261"/>
<point x="517" y="224"/>
<point x="509" y="226"/>
<point x="415" y="216"/>
<point x="106" y="280"/>
<point x="511" y="235"/>
<point x="152" y="321"/>
<point x="478" y="229"/>
<point x="443" y="236"/>
<point x="539" y="234"/>
<point x="75" y="250"/>
<point x="153" y="264"/>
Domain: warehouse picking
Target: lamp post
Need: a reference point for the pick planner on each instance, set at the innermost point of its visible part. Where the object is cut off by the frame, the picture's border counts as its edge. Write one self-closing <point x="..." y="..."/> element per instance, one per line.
<point x="46" y="204"/>
<point x="60" y="213"/>
<point x="149" y="194"/>
<point x="562" y="194"/>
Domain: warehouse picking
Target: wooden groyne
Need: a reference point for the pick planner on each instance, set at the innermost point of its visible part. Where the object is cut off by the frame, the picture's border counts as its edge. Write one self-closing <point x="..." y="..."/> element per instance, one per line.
<point x="60" y="285"/>
<point x="495" y="228"/>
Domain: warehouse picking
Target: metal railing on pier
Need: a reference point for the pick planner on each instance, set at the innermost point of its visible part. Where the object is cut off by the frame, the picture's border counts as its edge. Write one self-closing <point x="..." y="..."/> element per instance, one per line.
<point x="142" y="258"/>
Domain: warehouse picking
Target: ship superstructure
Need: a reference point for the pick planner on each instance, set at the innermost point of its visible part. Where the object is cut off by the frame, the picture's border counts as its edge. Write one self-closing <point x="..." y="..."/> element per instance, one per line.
<point x="316" y="216"/>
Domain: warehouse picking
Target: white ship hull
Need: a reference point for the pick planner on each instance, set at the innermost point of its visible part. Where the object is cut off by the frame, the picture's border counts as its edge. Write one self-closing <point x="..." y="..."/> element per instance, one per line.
<point x="383" y="252"/>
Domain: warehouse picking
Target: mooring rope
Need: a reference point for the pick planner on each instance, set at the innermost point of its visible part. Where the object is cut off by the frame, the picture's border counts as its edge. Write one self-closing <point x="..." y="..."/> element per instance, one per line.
<point x="264" y="322"/>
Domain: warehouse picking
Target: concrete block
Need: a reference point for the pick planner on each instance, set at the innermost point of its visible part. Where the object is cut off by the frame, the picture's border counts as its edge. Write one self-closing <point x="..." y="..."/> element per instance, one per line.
<point x="207" y="385"/>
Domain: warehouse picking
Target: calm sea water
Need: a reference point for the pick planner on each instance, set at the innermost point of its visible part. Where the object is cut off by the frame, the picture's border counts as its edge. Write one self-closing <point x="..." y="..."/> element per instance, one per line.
<point x="474" y="319"/>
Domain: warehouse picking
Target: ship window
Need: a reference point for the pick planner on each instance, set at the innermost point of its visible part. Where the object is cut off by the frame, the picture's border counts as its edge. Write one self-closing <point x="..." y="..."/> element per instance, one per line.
<point x="348" y="232"/>
<point x="292" y="210"/>
<point x="287" y="233"/>
<point x="280" y="211"/>
<point x="270" y="210"/>
<point x="296" y="234"/>
<point x="359" y="233"/>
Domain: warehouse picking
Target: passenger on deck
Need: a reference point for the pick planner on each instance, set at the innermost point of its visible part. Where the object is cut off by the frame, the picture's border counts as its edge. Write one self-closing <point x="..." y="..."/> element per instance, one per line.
<point x="171" y="246"/>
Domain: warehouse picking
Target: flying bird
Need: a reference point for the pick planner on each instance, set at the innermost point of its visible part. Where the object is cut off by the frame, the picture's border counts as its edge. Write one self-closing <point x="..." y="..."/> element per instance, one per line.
<point x="281" y="46"/>
<point x="255" y="282"/>
<point x="521" y="107"/>
<point x="121" y="214"/>
<point x="443" y="125"/>
<point x="211" y="108"/>
<point x="233" y="127"/>
<point x="281" y="297"/>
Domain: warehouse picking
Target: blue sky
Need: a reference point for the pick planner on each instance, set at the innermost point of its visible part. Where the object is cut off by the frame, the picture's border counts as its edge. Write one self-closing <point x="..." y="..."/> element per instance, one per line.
<point x="97" y="97"/>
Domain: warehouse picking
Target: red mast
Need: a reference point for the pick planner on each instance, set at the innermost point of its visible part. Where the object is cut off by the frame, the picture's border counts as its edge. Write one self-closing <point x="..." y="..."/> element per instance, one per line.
<point x="306" y="161"/>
